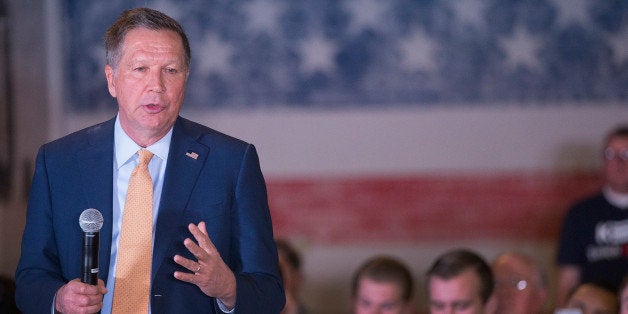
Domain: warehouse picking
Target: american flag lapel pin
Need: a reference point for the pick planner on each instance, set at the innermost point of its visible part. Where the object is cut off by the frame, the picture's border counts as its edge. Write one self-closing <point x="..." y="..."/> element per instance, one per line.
<point x="192" y="155"/>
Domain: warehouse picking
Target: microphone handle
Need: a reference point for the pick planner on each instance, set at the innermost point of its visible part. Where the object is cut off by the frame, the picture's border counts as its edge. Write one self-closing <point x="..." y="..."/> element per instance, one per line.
<point x="91" y="241"/>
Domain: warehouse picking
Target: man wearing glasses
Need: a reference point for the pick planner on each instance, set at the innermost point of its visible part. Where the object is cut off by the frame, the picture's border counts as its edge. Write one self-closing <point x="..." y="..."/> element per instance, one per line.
<point x="593" y="244"/>
<point x="520" y="284"/>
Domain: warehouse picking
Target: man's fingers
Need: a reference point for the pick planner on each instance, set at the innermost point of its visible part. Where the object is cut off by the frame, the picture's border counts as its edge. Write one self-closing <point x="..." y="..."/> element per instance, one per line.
<point x="186" y="263"/>
<point x="76" y="296"/>
<point x="201" y="226"/>
<point x="200" y="234"/>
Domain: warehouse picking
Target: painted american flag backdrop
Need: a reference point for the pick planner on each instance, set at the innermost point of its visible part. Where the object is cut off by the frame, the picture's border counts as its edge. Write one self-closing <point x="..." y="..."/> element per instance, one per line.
<point x="374" y="53"/>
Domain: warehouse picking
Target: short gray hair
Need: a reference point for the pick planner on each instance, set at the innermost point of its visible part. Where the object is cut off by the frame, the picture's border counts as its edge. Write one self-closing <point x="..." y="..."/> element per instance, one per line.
<point x="140" y="18"/>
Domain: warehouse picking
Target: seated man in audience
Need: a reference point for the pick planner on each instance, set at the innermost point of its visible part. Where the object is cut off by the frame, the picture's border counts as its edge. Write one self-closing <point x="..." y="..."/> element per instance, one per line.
<point x="460" y="281"/>
<point x="520" y="284"/>
<point x="594" y="299"/>
<point x="383" y="285"/>
<point x="291" y="275"/>
<point x="623" y="296"/>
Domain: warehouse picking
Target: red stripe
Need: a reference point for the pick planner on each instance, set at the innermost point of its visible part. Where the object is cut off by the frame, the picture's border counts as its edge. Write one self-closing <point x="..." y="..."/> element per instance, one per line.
<point x="425" y="207"/>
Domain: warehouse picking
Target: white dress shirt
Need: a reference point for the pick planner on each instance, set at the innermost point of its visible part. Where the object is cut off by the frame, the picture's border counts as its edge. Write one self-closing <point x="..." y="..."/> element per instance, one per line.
<point x="125" y="159"/>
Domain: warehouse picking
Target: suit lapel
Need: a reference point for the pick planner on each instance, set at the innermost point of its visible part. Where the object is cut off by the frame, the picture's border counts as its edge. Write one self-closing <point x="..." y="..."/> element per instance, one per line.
<point x="96" y="166"/>
<point x="185" y="161"/>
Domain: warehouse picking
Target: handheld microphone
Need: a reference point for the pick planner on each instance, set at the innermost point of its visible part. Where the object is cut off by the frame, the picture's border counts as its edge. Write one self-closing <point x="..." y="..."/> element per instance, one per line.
<point x="91" y="221"/>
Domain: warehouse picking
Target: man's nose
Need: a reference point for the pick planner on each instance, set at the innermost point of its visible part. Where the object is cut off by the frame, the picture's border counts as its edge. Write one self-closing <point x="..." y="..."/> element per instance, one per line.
<point x="156" y="82"/>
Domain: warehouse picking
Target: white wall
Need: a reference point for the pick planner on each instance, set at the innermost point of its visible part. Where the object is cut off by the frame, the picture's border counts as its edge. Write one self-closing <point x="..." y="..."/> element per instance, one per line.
<point x="455" y="138"/>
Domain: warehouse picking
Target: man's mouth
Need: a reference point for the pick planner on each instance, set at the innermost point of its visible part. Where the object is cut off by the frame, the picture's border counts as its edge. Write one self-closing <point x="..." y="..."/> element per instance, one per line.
<point x="153" y="108"/>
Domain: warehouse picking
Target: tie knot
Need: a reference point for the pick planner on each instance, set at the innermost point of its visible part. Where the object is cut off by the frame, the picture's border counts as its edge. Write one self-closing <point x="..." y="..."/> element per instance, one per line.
<point x="145" y="156"/>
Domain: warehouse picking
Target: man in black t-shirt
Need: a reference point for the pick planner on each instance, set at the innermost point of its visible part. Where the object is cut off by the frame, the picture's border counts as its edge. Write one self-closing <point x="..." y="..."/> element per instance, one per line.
<point x="593" y="245"/>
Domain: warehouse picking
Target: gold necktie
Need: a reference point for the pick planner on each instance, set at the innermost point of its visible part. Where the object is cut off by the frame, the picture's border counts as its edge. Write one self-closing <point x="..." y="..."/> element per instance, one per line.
<point x="132" y="279"/>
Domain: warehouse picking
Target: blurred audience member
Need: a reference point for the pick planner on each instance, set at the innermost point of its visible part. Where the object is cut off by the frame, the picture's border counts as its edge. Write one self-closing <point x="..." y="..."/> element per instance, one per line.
<point x="382" y="285"/>
<point x="292" y="276"/>
<point x="594" y="299"/>
<point x="593" y="233"/>
<point x="7" y="296"/>
<point x="520" y="284"/>
<point x="623" y="296"/>
<point x="460" y="281"/>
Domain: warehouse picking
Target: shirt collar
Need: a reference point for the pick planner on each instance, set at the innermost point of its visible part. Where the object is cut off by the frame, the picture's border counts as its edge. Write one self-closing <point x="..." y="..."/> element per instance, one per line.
<point x="126" y="148"/>
<point x="616" y="199"/>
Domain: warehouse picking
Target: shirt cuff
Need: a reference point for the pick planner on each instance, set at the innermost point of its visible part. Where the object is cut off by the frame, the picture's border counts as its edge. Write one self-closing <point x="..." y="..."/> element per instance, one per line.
<point x="223" y="307"/>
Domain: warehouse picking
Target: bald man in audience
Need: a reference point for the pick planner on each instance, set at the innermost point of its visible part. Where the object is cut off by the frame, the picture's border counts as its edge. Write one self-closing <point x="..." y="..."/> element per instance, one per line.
<point x="594" y="299"/>
<point x="520" y="284"/>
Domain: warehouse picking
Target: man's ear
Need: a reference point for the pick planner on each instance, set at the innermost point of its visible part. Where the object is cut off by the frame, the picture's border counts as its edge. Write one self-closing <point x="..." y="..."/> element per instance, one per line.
<point x="110" y="80"/>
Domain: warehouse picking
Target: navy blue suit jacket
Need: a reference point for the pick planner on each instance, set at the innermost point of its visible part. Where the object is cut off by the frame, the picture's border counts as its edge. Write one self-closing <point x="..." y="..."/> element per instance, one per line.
<point x="223" y="187"/>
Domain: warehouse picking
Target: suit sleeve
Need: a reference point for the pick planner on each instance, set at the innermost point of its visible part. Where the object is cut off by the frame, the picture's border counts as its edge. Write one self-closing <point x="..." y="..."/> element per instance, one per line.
<point x="39" y="274"/>
<point x="259" y="288"/>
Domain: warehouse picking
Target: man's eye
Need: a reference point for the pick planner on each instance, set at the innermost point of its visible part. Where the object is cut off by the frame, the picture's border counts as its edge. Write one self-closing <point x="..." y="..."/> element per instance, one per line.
<point x="140" y="69"/>
<point x="389" y="306"/>
<point x="462" y="305"/>
<point x="437" y="306"/>
<point x="171" y="71"/>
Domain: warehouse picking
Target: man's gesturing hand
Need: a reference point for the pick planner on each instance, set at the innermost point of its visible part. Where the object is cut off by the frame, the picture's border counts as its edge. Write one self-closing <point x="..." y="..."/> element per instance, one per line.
<point x="210" y="273"/>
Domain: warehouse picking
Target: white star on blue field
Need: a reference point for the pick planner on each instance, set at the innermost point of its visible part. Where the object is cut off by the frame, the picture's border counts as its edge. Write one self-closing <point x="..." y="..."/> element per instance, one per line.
<point x="374" y="53"/>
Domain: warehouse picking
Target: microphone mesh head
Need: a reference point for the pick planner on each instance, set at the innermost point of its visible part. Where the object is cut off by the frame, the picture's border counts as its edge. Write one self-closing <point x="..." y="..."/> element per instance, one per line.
<point x="91" y="220"/>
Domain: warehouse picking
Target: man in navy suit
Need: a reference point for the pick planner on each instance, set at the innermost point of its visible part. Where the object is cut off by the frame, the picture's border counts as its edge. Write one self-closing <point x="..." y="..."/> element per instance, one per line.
<point x="213" y="247"/>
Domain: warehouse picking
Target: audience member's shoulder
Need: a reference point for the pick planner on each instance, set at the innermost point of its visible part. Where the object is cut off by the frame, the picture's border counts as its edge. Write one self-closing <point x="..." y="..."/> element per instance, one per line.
<point x="588" y="203"/>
